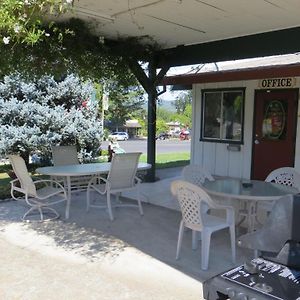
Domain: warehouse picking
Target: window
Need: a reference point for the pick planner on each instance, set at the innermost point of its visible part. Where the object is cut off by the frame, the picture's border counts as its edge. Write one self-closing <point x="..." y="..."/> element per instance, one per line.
<point x="222" y="115"/>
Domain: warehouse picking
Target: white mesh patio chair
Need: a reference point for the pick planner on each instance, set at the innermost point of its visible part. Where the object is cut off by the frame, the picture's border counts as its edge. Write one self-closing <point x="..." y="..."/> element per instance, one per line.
<point x="121" y="178"/>
<point x="196" y="174"/>
<point x="195" y="204"/>
<point x="286" y="176"/>
<point x="67" y="155"/>
<point x="39" y="200"/>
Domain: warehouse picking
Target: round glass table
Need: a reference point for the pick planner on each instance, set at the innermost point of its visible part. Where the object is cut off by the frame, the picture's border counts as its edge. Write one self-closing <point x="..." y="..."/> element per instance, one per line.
<point x="250" y="192"/>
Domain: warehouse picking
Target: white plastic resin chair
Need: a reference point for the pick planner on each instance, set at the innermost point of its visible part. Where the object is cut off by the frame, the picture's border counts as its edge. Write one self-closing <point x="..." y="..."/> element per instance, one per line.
<point x="67" y="155"/>
<point x="121" y="177"/>
<point x="286" y="176"/>
<point x="196" y="174"/>
<point x="41" y="199"/>
<point x="195" y="204"/>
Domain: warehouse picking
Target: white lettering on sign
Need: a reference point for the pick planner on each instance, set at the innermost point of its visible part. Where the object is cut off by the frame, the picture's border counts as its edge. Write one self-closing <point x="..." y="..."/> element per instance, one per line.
<point x="273" y="83"/>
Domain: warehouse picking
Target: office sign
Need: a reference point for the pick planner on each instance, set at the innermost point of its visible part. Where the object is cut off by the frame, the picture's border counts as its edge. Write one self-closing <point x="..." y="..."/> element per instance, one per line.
<point x="277" y="83"/>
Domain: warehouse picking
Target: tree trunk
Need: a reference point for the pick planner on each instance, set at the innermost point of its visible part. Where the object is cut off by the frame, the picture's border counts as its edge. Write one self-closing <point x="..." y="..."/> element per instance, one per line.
<point x="25" y="156"/>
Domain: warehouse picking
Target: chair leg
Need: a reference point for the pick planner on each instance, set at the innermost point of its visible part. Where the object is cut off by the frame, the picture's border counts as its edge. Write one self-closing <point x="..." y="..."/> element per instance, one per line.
<point x="180" y="236"/>
<point x="41" y="213"/>
<point x="109" y="206"/>
<point x="118" y="197"/>
<point x="28" y="212"/>
<point x="194" y="239"/>
<point x="232" y="240"/>
<point x="88" y="200"/>
<point x="205" y="245"/>
<point x="139" y="201"/>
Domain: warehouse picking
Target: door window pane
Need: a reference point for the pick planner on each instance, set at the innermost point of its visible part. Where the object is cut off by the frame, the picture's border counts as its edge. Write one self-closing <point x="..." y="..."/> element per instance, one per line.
<point x="274" y="122"/>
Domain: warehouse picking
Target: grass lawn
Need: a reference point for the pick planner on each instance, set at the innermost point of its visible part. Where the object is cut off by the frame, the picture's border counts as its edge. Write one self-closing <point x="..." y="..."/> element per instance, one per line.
<point x="164" y="160"/>
<point x="170" y="160"/>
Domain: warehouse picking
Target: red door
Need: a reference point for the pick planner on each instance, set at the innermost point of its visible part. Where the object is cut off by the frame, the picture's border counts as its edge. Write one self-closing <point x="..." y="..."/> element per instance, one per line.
<point x="275" y="120"/>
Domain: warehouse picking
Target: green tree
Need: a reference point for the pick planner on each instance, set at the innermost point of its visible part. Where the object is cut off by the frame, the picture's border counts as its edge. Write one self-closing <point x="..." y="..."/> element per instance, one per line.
<point x="164" y="114"/>
<point x="181" y="102"/>
<point x="161" y="126"/>
<point x="123" y="102"/>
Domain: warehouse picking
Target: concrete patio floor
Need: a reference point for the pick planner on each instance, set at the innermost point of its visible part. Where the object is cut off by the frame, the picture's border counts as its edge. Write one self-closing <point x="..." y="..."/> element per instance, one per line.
<point x="90" y="257"/>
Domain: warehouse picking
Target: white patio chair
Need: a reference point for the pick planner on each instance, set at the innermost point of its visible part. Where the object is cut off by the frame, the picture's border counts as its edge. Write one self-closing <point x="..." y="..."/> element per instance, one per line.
<point x="195" y="204"/>
<point x="64" y="155"/>
<point x="121" y="177"/>
<point x="67" y="155"/>
<point x="41" y="199"/>
<point x="286" y="176"/>
<point x="196" y="174"/>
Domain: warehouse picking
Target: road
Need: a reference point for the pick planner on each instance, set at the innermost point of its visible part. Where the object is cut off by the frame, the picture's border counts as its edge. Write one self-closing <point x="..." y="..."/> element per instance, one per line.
<point x="166" y="146"/>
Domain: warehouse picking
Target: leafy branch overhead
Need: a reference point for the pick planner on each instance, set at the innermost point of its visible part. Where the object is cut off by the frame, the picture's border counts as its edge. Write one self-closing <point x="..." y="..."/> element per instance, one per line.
<point x="21" y="20"/>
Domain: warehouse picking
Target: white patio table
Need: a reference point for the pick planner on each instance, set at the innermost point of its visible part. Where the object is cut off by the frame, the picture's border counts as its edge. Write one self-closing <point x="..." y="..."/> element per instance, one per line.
<point x="68" y="171"/>
<point x="248" y="191"/>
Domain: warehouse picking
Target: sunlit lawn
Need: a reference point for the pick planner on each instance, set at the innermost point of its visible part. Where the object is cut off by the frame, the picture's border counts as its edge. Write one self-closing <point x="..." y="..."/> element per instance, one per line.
<point x="163" y="160"/>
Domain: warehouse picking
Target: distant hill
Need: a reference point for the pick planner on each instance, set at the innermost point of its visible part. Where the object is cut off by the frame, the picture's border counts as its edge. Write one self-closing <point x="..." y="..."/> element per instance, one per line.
<point x="165" y="104"/>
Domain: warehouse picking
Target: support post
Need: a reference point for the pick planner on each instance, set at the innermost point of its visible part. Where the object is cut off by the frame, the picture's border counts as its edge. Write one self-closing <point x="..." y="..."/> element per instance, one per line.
<point x="149" y="82"/>
<point x="151" y="141"/>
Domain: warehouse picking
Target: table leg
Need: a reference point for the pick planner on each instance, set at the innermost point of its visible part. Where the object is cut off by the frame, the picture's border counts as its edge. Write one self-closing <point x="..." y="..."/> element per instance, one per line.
<point x="249" y="213"/>
<point x="68" y="178"/>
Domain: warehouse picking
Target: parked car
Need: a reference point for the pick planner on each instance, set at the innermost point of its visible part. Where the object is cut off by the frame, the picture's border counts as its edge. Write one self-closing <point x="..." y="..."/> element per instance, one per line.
<point x="184" y="135"/>
<point x="163" y="136"/>
<point x="119" y="135"/>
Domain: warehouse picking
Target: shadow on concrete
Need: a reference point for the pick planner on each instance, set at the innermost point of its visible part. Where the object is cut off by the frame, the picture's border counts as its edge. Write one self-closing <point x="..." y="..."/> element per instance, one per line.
<point x="93" y="235"/>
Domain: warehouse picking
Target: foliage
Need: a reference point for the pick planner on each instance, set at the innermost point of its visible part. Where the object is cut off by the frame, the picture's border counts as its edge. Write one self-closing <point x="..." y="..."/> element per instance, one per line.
<point x="164" y="114"/>
<point x="161" y="126"/>
<point x="184" y="118"/>
<point x="38" y="113"/>
<point x="81" y="53"/>
<point x="21" y="20"/>
<point x="124" y="102"/>
<point x="182" y="101"/>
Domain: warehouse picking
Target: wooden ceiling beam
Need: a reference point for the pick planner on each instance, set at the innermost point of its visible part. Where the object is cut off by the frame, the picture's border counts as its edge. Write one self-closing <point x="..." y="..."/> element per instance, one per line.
<point x="278" y="42"/>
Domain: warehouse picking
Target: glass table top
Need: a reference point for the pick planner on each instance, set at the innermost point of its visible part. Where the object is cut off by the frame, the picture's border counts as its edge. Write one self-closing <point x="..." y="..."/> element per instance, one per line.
<point x="240" y="188"/>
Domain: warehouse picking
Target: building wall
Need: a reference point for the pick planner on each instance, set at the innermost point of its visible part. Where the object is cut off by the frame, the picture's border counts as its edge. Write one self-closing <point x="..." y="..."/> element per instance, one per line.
<point x="215" y="157"/>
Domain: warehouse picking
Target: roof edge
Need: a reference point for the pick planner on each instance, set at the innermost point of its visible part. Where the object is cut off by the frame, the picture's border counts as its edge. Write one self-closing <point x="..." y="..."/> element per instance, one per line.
<point x="235" y="75"/>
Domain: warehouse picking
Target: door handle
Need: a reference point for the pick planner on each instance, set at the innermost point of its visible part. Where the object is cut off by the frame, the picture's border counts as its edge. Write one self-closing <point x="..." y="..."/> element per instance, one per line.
<point x="256" y="142"/>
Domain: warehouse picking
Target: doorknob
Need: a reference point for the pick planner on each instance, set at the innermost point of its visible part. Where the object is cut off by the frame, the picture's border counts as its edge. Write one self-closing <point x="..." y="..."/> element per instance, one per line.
<point x="256" y="142"/>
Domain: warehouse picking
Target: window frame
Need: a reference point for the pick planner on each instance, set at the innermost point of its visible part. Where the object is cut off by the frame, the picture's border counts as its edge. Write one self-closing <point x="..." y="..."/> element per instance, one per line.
<point x="219" y="140"/>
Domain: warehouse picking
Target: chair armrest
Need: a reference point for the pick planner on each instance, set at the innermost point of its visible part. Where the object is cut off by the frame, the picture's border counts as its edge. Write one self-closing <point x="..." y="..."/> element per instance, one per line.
<point x="16" y="188"/>
<point x="50" y="180"/>
<point x="138" y="180"/>
<point x="230" y="213"/>
<point x="12" y="182"/>
<point x="94" y="178"/>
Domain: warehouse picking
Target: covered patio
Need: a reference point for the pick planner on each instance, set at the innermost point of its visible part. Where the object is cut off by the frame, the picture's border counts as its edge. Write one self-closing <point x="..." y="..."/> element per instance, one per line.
<point x="88" y="256"/>
<point x="176" y="33"/>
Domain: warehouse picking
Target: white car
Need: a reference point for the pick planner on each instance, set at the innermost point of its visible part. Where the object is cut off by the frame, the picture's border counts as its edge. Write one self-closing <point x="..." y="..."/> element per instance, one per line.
<point x="120" y="135"/>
